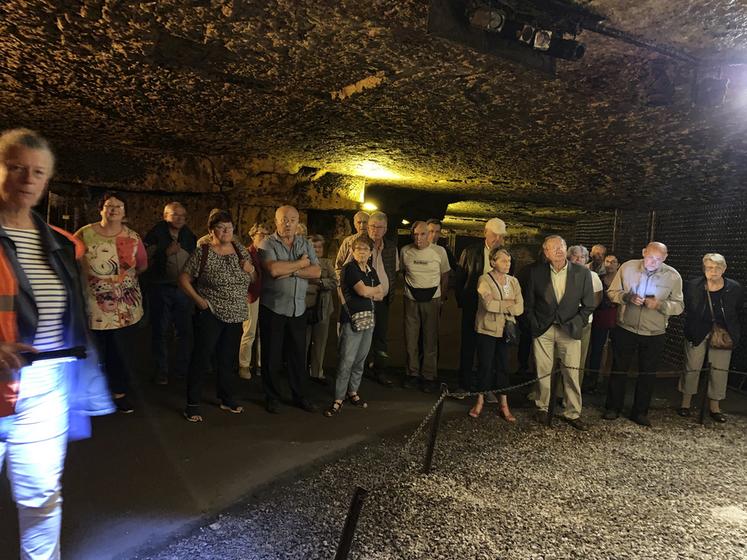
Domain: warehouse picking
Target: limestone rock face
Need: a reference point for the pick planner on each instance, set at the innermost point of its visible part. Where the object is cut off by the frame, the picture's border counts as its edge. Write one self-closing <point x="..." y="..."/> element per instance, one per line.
<point x="232" y="97"/>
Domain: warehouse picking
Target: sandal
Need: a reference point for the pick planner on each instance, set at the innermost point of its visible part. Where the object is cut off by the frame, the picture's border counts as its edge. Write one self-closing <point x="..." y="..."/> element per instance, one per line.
<point x="231" y="407"/>
<point x="356" y="400"/>
<point x="505" y="413"/>
<point x="475" y="411"/>
<point x="333" y="409"/>
<point x="192" y="413"/>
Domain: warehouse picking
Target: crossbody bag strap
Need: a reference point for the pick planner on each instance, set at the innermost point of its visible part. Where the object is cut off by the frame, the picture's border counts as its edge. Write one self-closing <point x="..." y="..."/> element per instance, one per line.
<point x="710" y="304"/>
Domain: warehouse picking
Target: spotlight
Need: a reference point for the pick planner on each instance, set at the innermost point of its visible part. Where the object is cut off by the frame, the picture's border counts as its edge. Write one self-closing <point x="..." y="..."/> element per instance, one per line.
<point x="369" y="207"/>
<point x="487" y="19"/>
<point x="567" y="49"/>
<point x="405" y="222"/>
<point x="542" y="39"/>
<point x="526" y="34"/>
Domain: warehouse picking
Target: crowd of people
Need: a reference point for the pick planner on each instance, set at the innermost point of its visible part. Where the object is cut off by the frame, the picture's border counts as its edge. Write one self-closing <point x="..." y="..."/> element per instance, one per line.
<point x="267" y="309"/>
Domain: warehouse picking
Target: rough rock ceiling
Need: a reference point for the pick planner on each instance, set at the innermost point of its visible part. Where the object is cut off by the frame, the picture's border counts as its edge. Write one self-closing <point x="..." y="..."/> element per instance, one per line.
<point x="330" y="84"/>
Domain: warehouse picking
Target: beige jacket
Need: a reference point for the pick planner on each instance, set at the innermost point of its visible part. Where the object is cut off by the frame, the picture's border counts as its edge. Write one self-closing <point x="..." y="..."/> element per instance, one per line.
<point x="492" y="312"/>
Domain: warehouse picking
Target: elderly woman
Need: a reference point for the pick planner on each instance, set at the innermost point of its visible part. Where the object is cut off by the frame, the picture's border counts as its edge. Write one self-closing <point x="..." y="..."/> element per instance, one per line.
<point x="114" y="257"/>
<point x="217" y="278"/>
<point x="257" y="233"/>
<point x="43" y="310"/>
<point x="500" y="301"/>
<point x="359" y="288"/>
<point x="319" y="309"/>
<point x="711" y="302"/>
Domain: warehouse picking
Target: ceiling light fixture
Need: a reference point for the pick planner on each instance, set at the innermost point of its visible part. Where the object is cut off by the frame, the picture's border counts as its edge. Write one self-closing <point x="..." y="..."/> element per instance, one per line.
<point x="369" y="207"/>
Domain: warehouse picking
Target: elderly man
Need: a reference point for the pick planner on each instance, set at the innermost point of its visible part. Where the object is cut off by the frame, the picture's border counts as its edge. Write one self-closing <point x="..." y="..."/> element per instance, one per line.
<point x="648" y="293"/>
<point x="473" y="262"/>
<point x="558" y="301"/>
<point x="288" y="262"/>
<point x="596" y="264"/>
<point x="169" y="244"/>
<point x="426" y="271"/>
<point x="434" y="236"/>
<point x="579" y="254"/>
<point x="360" y="223"/>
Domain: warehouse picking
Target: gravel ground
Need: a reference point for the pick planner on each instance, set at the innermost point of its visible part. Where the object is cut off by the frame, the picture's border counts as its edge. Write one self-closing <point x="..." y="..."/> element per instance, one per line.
<point x="619" y="491"/>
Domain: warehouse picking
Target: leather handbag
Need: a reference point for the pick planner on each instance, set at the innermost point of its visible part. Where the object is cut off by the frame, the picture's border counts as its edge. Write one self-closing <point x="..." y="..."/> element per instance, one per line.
<point x="510" y="328"/>
<point x="719" y="339"/>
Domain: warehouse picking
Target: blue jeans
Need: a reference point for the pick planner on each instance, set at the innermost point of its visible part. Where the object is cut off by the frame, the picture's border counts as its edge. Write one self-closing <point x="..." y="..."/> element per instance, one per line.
<point x="33" y="442"/>
<point x="170" y="305"/>
<point x="352" y="349"/>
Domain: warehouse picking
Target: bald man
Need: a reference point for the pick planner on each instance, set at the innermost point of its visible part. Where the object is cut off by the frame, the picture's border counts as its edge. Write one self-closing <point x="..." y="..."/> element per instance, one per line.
<point x="288" y="263"/>
<point x="648" y="293"/>
<point x="169" y="244"/>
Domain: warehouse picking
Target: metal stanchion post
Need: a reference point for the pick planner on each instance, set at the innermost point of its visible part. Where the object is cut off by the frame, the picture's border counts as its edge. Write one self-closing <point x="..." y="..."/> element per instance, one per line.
<point x="428" y="463"/>
<point x="554" y="376"/>
<point x="351" y="521"/>
<point x="704" y="397"/>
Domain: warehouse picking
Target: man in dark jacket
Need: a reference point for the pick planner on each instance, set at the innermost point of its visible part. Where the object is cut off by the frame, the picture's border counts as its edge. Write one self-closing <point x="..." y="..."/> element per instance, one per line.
<point x="169" y="244"/>
<point x="558" y="301"/>
<point x="473" y="263"/>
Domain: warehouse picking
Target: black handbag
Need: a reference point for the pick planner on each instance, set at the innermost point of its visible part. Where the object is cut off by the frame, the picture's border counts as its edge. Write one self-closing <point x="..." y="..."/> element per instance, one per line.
<point x="510" y="328"/>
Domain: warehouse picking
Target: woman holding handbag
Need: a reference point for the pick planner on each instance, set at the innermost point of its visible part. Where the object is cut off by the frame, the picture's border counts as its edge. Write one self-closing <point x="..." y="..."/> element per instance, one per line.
<point x="712" y="307"/>
<point x="495" y="323"/>
<point x="359" y="288"/>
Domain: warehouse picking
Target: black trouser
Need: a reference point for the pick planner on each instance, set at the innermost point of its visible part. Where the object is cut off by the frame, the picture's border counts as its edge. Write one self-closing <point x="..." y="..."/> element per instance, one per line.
<point x="596" y="350"/>
<point x="525" y="342"/>
<point x="650" y="349"/>
<point x="379" y="355"/>
<point x="213" y="337"/>
<point x="492" y="363"/>
<point x="115" y="350"/>
<point x="283" y="337"/>
<point x="169" y="305"/>
<point x="467" y="348"/>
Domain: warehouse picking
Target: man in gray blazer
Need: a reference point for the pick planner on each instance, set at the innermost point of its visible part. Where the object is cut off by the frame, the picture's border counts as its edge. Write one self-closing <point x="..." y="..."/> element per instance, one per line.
<point x="558" y="301"/>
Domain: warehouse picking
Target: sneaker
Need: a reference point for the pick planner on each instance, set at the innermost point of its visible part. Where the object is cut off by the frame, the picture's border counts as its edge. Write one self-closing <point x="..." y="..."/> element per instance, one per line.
<point x="542" y="416"/>
<point x="410" y="382"/>
<point x="245" y="373"/>
<point x="490" y="397"/>
<point x="272" y="406"/>
<point x="682" y="411"/>
<point x="459" y="393"/>
<point x="321" y="381"/>
<point x="123" y="405"/>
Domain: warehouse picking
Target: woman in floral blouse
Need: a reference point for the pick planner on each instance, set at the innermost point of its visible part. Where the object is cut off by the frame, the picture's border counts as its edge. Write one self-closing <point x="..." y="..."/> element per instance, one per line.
<point x="114" y="257"/>
<point x="217" y="277"/>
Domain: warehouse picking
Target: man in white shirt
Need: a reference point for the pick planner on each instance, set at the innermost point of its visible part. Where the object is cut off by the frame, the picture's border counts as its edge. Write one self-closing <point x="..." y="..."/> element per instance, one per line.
<point x="426" y="271"/>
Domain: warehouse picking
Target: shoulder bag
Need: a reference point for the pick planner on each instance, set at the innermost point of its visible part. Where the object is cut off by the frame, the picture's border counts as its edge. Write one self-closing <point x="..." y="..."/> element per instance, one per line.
<point x="719" y="339"/>
<point x="363" y="320"/>
<point x="510" y="329"/>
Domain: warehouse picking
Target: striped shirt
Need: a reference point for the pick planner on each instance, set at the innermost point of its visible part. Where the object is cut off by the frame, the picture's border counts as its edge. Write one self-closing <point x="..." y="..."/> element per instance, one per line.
<point x="49" y="291"/>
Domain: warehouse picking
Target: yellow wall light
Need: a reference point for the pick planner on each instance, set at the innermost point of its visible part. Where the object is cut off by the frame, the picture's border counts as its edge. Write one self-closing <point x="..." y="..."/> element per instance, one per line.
<point x="372" y="170"/>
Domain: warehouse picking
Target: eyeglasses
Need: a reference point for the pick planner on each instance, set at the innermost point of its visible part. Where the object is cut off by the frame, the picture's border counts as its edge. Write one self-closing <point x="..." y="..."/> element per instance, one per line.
<point x="228" y="227"/>
<point x="114" y="206"/>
